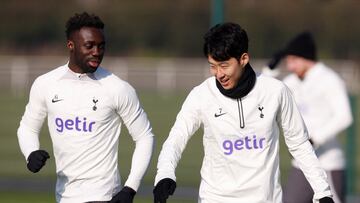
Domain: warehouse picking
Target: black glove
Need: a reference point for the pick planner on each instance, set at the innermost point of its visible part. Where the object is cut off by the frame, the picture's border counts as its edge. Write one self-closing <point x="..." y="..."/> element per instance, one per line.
<point x="37" y="160"/>
<point x="276" y="59"/>
<point x="163" y="189"/>
<point x="326" y="200"/>
<point x="126" y="195"/>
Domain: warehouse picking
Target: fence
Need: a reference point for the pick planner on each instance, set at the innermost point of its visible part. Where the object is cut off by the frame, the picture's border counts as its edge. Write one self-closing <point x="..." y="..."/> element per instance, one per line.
<point x="161" y="74"/>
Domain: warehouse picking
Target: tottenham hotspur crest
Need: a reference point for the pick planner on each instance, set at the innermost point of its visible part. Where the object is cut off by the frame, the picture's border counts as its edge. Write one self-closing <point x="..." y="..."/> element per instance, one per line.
<point x="260" y="108"/>
<point x="95" y="101"/>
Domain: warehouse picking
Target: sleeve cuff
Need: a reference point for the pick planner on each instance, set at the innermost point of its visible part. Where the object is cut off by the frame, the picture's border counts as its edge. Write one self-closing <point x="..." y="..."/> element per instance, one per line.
<point x="133" y="184"/>
<point x="162" y="176"/>
<point x="318" y="195"/>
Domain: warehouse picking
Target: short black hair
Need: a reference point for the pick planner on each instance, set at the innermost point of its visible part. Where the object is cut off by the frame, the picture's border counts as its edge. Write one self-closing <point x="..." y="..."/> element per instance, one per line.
<point x="224" y="41"/>
<point x="84" y="19"/>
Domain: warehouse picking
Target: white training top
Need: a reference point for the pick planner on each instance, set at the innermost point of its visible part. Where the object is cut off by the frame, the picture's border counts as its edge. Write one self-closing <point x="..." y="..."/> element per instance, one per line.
<point x="324" y="104"/>
<point x="241" y="143"/>
<point x="85" y="112"/>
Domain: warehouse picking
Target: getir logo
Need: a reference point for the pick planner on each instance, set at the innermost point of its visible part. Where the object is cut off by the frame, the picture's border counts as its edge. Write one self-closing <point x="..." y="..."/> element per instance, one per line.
<point x="80" y="125"/>
<point x="245" y="143"/>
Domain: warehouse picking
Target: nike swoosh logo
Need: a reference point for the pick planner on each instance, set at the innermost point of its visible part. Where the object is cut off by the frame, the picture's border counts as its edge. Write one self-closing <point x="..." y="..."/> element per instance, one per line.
<point x="217" y="115"/>
<point x="56" y="100"/>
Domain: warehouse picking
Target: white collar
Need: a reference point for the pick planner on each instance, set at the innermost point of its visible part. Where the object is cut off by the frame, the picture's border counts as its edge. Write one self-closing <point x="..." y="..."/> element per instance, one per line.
<point x="314" y="70"/>
<point x="69" y="74"/>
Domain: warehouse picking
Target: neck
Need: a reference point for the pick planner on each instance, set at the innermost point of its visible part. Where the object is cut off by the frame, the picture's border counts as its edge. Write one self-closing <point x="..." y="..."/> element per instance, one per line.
<point x="307" y="67"/>
<point x="244" y="85"/>
<point x="75" y="68"/>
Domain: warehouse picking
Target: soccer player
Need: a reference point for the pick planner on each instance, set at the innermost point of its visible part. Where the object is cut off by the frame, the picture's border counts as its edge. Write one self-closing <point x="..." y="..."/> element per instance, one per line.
<point x="322" y="99"/>
<point x="85" y="107"/>
<point x="242" y="115"/>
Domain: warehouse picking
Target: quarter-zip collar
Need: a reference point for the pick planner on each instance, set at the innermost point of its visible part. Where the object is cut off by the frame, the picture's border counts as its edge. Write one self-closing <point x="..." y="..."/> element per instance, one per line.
<point x="245" y="84"/>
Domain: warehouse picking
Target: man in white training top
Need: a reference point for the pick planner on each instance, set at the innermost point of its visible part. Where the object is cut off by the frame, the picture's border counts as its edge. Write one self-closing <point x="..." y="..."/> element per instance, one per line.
<point x="85" y="106"/>
<point x="322" y="99"/>
<point x="242" y="115"/>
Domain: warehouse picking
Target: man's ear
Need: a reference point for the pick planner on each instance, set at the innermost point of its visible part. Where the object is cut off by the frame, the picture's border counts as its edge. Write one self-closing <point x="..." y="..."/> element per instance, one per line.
<point x="70" y="45"/>
<point x="244" y="59"/>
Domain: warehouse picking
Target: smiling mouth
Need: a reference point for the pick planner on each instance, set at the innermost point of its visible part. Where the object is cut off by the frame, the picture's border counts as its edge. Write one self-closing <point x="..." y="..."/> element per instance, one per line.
<point x="94" y="63"/>
<point x="224" y="82"/>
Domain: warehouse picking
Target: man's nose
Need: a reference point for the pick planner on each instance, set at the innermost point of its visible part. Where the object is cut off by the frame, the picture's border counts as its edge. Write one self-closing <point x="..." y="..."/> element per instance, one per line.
<point x="219" y="73"/>
<point x="96" y="51"/>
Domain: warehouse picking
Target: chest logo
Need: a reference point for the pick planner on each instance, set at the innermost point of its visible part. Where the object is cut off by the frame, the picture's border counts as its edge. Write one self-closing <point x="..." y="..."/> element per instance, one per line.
<point x="95" y="101"/>
<point x="261" y="112"/>
<point x="74" y="124"/>
<point x="220" y="113"/>
<point x="245" y="143"/>
<point x="56" y="99"/>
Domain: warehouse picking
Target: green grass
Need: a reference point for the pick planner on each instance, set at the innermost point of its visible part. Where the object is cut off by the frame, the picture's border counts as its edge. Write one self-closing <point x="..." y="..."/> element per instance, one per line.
<point x="15" y="197"/>
<point x="161" y="110"/>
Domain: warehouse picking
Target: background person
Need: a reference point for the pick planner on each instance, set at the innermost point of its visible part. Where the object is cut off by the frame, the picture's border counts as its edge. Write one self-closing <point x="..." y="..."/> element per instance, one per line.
<point x="322" y="99"/>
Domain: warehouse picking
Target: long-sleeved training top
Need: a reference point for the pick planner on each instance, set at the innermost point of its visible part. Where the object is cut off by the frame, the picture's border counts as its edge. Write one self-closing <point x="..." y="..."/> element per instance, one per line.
<point x="85" y="113"/>
<point x="324" y="104"/>
<point x="241" y="143"/>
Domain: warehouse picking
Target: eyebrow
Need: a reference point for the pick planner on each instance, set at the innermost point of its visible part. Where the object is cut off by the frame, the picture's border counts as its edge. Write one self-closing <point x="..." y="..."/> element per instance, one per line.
<point x="220" y="63"/>
<point x="93" y="41"/>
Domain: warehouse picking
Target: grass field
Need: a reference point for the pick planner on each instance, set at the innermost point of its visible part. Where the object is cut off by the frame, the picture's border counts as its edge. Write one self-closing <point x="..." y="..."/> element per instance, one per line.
<point x="161" y="110"/>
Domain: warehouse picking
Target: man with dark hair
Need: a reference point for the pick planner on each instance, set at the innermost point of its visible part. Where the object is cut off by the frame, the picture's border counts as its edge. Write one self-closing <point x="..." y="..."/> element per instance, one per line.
<point x="85" y="106"/>
<point x="242" y="115"/>
<point x="323" y="102"/>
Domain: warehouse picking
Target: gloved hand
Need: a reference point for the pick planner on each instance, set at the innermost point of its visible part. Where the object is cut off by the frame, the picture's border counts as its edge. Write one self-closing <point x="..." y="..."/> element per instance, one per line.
<point x="163" y="189"/>
<point x="276" y="59"/>
<point x="37" y="160"/>
<point x="126" y="195"/>
<point x="326" y="200"/>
